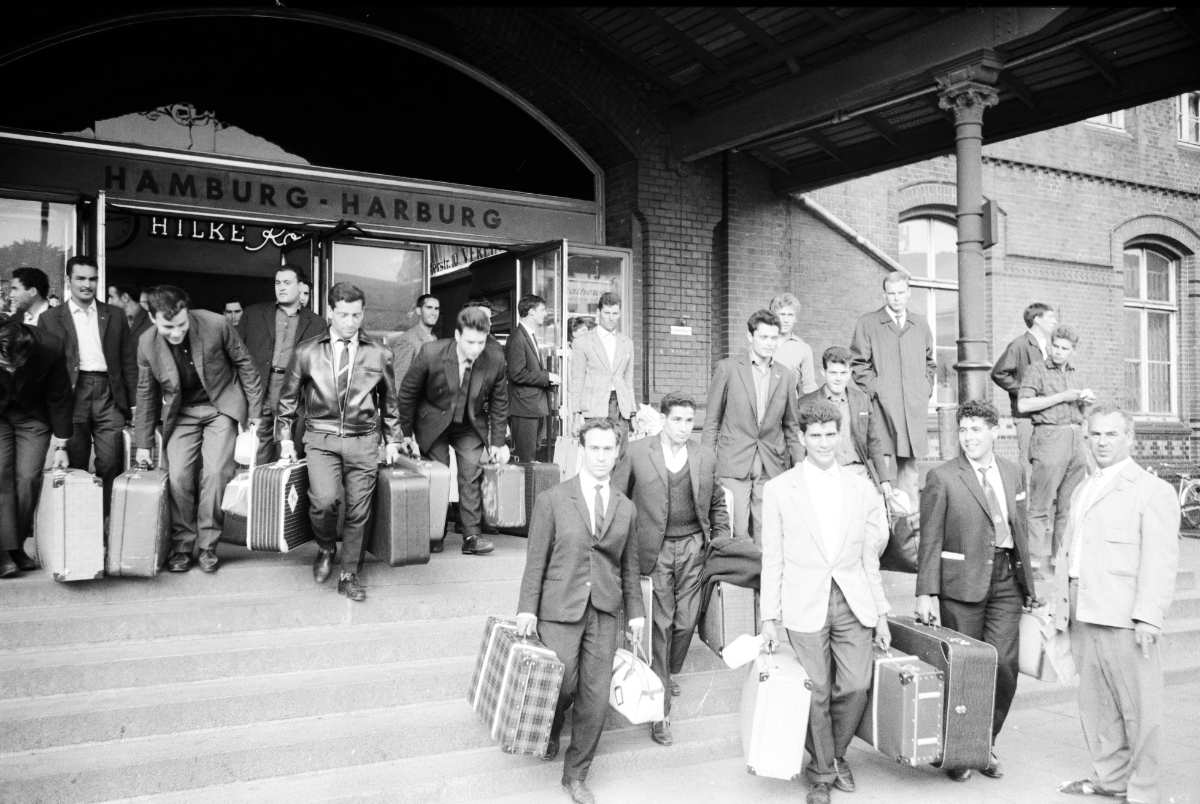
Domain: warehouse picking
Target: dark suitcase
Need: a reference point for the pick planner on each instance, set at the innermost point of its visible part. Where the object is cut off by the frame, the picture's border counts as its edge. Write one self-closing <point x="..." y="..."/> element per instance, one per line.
<point x="139" y="529"/>
<point x="509" y="492"/>
<point x="278" y="510"/>
<point x="904" y="714"/>
<point x="398" y="532"/>
<point x="968" y="668"/>
<point x="730" y="612"/>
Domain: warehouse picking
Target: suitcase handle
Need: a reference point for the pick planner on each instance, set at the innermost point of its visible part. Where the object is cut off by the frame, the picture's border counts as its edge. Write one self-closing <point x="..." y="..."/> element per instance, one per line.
<point x="58" y="477"/>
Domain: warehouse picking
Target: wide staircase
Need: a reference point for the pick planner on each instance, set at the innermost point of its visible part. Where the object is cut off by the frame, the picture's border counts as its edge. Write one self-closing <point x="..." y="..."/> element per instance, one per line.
<point x="255" y="684"/>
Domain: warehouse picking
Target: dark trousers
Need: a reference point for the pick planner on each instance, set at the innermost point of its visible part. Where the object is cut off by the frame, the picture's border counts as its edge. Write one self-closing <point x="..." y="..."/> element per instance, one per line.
<point x="199" y="465"/>
<point x="468" y="449"/>
<point x="97" y="423"/>
<point x="676" y="579"/>
<point x="837" y="659"/>
<point x="995" y="620"/>
<point x="586" y="649"/>
<point x="342" y="471"/>
<point x="23" y="443"/>
<point x="268" y="447"/>
<point x="619" y="421"/>
<point x="1058" y="465"/>
<point x="525" y="432"/>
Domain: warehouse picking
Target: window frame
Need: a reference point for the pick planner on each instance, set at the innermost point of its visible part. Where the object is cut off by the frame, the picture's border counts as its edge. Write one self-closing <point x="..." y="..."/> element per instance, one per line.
<point x="1114" y="120"/>
<point x="932" y="214"/>
<point x="1145" y="306"/>
<point x="1187" y="122"/>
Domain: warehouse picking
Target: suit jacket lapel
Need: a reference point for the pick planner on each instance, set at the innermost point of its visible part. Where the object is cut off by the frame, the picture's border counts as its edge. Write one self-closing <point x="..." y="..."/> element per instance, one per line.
<point x="102" y="317"/>
<point x="581" y="506"/>
<point x="450" y="365"/>
<point x="609" y="512"/>
<point x="196" y="344"/>
<point x="773" y="379"/>
<point x="167" y="362"/>
<point x="659" y="464"/>
<point x="971" y="481"/>
<point x="804" y="503"/>
<point x="849" y="506"/>
<point x="694" y="467"/>
<point x="602" y="353"/>
<point x="746" y="372"/>
<point x="1009" y="479"/>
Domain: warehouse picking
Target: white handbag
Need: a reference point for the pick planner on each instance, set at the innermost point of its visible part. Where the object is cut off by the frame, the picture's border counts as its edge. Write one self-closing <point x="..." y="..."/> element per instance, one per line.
<point x="635" y="692"/>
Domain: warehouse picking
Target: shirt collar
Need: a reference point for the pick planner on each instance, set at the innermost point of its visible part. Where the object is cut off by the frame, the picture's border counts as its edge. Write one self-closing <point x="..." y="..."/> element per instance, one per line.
<point x="279" y="309"/>
<point x="897" y="317"/>
<point x="832" y="471"/>
<point x="756" y="361"/>
<point x="334" y="337"/>
<point x="832" y="397"/>
<point x="589" y="481"/>
<point x="976" y="465"/>
<point x="604" y="333"/>
<point x="1103" y="474"/>
<point x="75" y="307"/>
<point x="668" y="447"/>
<point x="1042" y="340"/>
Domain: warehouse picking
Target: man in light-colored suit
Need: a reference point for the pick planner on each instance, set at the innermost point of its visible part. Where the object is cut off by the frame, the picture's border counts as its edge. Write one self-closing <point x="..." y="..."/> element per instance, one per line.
<point x="1114" y="581"/>
<point x="893" y="362"/>
<point x="602" y="373"/>
<point x="581" y="566"/>
<point x="823" y="531"/>
<point x="196" y="374"/>
<point x="751" y="422"/>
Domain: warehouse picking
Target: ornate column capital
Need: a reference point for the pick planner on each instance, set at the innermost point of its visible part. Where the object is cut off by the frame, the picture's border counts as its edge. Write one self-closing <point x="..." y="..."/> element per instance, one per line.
<point x="967" y="99"/>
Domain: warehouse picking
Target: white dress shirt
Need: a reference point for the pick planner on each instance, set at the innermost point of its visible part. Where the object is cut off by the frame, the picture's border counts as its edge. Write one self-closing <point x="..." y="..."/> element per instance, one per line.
<point x="588" y="483"/>
<point x="825" y="490"/>
<point x="897" y="317"/>
<point x="609" y="341"/>
<point x="1003" y="534"/>
<point x="35" y="312"/>
<point x="335" y="341"/>
<point x="1090" y="490"/>
<point x="675" y="460"/>
<point x="87" y="333"/>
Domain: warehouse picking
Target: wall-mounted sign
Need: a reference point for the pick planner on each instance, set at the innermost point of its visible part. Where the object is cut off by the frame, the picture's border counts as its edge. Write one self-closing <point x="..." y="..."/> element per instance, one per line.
<point x="220" y="232"/>
<point x="445" y="258"/>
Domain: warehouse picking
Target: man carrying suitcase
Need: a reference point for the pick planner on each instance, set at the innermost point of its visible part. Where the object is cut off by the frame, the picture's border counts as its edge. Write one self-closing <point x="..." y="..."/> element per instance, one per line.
<point x="195" y="372"/>
<point x="680" y="508"/>
<point x="344" y="380"/>
<point x="974" y="553"/>
<point x="823" y="530"/>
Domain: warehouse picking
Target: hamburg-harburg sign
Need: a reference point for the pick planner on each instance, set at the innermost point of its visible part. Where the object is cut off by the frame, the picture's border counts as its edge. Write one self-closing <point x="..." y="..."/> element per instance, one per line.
<point x="273" y="192"/>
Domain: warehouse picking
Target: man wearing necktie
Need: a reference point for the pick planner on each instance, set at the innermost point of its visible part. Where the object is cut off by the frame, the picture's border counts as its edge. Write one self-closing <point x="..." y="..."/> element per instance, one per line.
<point x="455" y="396"/>
<point x="974" y="553"/>
<point x="345" y="381"/>
<point x="529" y="383"/>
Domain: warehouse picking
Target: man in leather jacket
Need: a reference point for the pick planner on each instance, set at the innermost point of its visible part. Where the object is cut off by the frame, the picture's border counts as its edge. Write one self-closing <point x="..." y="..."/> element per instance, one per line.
<point x="349" y="392"/>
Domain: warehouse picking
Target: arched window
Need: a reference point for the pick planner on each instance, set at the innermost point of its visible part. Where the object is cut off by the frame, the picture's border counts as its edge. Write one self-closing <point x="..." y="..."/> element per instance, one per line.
<point x="1151" y="330"/>
<point x="928" y="251"/>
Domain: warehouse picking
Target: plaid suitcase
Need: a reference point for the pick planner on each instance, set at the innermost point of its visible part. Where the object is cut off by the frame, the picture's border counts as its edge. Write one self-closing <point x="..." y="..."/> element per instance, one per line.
<point x="904" y="716"/>
<point x="439" y="480"/>
<point x="509" y="492"/>
<point x="647" y="587"/>
<point x="968" y="668"/>
<point x="139" y="531"/>
<point x="515" y="688"/>
<point x="68" y="526"/>
<point x="278" y="510"/>
<point x="398" y="532"/>
<point x="731" y="612"/>
<point x="774" y="716"/>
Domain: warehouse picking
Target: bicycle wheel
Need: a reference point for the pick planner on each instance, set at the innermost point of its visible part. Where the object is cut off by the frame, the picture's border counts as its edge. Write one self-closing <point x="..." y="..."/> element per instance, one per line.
<point x="1189" y="506"/>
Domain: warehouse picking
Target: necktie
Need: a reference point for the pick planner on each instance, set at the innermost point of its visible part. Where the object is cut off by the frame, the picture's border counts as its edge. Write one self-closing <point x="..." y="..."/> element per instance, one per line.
<point x="343" y="370"/>
<point x="992" y="505"/>
<point x="598" y="524"/>
<point x="464" y="387"/>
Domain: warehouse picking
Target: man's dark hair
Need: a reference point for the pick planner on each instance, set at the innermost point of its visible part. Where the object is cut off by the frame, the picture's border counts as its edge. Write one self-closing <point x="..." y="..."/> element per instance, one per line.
<point x="424" y="297"/>
<point x="1034" y="310"/>
<point x="347" y="292"/>
<point x="762" y="317"/>
<point x="608" y="299"/>
<point x="1063" y="332"/>
<point x="299" y="272"/>
<point x="167" y="300"/>
<point x="528" y="303"/>
<point x="604" y="423"/>
<point x="234" y="300"/>
<point x="675" y="399"/>
<point x="818" y="413"/>
<point x="836" y="354"/>
<point x="33" y="278"/>
<point x="481" y="302"/>
<point x="16" y="342"/>
<point x="82" y="259"/>
<point x="126" y="290"/>
<point x="473" y="318"/>
<point x="979" y="409"/>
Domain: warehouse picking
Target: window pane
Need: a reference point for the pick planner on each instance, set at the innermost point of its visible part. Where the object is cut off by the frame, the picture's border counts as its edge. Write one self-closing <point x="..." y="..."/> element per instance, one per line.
<point x="39" y="234"/>
<point x="945" y="330"/>
<point x="947" y="379"/>
<point x="1160" y="387"/>
<point x="914" y="246"/>
<point x="1133" y="334"/>
<point x="945" y="251"/>
<point x="919" y="302"/>
<point x="391" y="278"/>
<point x="1158" y="277"/>
<point x="1133" y="274"/>
<point x="1158" y="336"/>
<point x="1131" y="398"/>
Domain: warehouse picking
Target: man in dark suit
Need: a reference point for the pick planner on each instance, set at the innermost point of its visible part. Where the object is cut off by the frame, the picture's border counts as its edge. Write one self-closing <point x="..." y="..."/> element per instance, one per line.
<point x="529" y="382"/>
<point x="680" y="508"/>
<point x="35" y="400"/>
<point x="126" y="297"/>
<point x="581" y="565"/>
<point x="751" y="422"/>
<point x="861" y="438"/>
<point x="974" y="552"/>
<point x="102" y="363"/>
<point x="1030" y="347"/>
<point x="271" y="332"/>
<point x="195" y="374"/>
<point x="27" y="292"/>
<point x="455" y="396"/>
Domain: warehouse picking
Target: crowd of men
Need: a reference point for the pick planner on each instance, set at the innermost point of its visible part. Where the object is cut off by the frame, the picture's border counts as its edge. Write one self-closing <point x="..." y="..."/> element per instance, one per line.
<point x="813" y="471"/>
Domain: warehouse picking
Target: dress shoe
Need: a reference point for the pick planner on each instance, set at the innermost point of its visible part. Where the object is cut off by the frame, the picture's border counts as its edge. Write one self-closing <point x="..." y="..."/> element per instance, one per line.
<point x="24" y="563"/>
<point x="437" y="545"/>
<point x="993" y="769"/>
<point x="476" y="546"/>
<point x="551" y="749"/>
<point x="845" y="777"/>
<point x="579" y="792"/>
<point x="959" y="774"/>
<point x="208" y="561"/>
<point x="349" y="586"/>
<point x="323" y="566"/>
<point x="8" y="567"/>
<point x="673" y="686"/>
<point x="818" y="793"/>
<point x="179" y="562"/>
<point x="660" y="732"/>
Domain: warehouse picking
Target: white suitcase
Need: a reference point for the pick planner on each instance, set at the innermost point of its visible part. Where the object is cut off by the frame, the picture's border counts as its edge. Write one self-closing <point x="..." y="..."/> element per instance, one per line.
<point x="68" y="526"/>
<point x="774" y="716"/>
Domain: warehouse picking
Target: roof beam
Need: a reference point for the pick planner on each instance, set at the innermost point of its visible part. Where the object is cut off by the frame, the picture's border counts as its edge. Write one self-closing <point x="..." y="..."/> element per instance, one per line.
<point x="754" y="31"/>
<point x="881" y="127"/>
<point x="681" y="40"/>
<point x="1017" y="87"/>
<point x="1099" y="64"/>
<point x="865" y="74"/>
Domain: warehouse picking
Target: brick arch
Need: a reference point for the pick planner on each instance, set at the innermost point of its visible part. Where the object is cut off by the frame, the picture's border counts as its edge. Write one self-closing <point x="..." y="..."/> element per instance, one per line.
<point x="932" y="196"/>
<point x="1154" y="228"/>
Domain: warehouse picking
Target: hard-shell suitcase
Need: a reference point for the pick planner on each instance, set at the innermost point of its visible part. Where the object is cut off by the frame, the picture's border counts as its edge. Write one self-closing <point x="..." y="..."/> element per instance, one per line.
<point x="969" y="671"/>
<point x="139" y="529"/>
<point x="509" y="492"/>
<point x="68" y="526"/>
<point x="515" y="688"/>
<point x="398" y="533"/>
<point x="647" y="587"/>
<point x="277" y="519"/>
<point x="156" y="449"/>
<point x="774" y="716"/>
<point x="439" y="480"/>
<point x="904" y="715"/>
<point x="731" y="612"/>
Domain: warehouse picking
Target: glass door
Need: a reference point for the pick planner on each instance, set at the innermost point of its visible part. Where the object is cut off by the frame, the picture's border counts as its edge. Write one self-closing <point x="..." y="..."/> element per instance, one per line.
<point x="391" y="275"/>
<point x="540" y="272"/>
